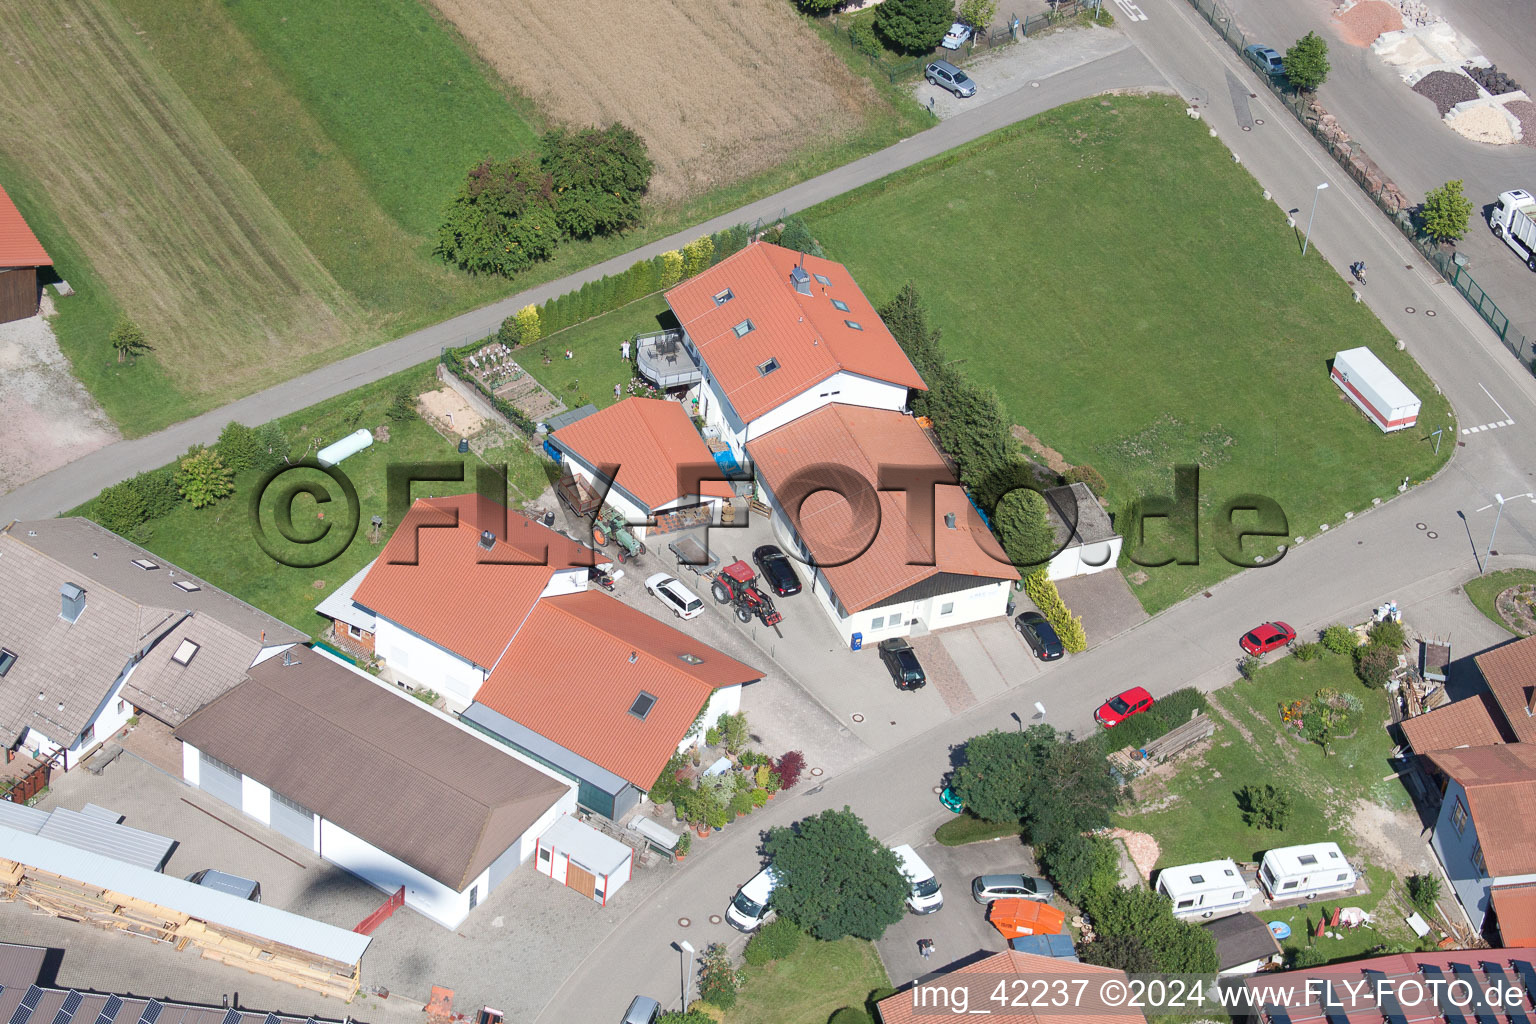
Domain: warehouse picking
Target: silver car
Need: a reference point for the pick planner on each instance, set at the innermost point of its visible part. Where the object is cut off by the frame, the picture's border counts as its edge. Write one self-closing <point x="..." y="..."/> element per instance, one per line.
<point x="946" y="76"/>
<point x="987" y="888"/>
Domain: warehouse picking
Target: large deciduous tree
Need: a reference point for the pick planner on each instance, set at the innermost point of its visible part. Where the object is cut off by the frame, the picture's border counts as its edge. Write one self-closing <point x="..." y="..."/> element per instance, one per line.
<point x="1446" y="212"/>
<point x="1306" y="62"/>
<point x="834" y="878"/>
<point x="600" y="175"/>
<point x="502" y="219"/>
<point x="914" y="26"/>
<point x="1001" y="772"/>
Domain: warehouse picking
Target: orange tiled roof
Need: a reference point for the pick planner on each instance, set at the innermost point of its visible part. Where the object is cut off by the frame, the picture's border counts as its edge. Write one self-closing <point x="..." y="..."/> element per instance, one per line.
<point x="19" y="247"/>
<point x="649" y="440"/>
<point x="456" y="594"/>
<point x="1010" y="964"/>
<point x="855" y="442"/>
<point x="1464" y="723"/>
<point x="1500" y="782"/>
<point x="568" y="676"/>
<point x="1510" y="672"/>
<point x="1515" y="908"/>
<point x="806" y="334"/>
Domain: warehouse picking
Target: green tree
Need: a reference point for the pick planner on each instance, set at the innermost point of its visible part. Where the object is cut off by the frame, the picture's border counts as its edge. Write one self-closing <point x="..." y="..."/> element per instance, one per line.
<point x="238" y="446"/>
<point x="1265" y="806"/>
<point x="202" y="478"/>
<point x="600" y="176"/>
<point x="1388" y="634"/>
<point x="698" y="256"/>
<point x="1424" y="893"/>
<point x="121" y="508"/>
<point x="978" y="13"/>
<point x="1080" y="865"/>
<point x="834" y="878"/>
<point x="914" y="26"/>
<point x="501" y="220"/>
<point x="1306" y="62"/>
<point x="1000" y="770"/>
<point x="1374" y="664"/>
<point x="1446" y="212"/>
<point x="1074" y="793"/>
<point x="128" y="339"/>
<point x="718" y="979"/>
<point x="1028" y="537"/>
<point x="1123" y="952"/>
<point x="529" y="325"/>
<point x="797" y="236"/>
<point x="509" y="334"/>
<point x="1177" y="947"/>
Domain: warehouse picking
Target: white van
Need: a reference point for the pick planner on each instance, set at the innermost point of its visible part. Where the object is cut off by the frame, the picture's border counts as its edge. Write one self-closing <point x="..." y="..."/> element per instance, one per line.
<point x="924" y="897"/>
<point x="749" y="907"/>
<point x="1206" y="889"/>
<point x="1311" y="870"/>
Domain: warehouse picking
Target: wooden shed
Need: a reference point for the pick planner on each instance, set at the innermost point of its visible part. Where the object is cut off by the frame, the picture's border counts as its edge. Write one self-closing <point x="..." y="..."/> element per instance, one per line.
<point x="20" y="256"/>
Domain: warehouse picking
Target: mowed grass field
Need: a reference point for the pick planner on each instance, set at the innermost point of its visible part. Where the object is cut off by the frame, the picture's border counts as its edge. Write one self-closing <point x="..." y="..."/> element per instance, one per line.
<point x="173" y="226"/>
<point x="1138" y="304"/>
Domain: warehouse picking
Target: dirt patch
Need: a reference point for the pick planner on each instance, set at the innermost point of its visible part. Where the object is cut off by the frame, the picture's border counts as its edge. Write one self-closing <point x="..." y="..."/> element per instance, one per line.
<point x="1362" y="23"/>
<point x="447" y="408"/>
<point x="1143" y="849"/>
<point x="1393" y="839"/>
<point x="49" y="418"/>
<point x="1517" y="607"/>
<point x="1053" y="458"/>
<point x="718" y="93"/>
<point x="1231" y="719"/>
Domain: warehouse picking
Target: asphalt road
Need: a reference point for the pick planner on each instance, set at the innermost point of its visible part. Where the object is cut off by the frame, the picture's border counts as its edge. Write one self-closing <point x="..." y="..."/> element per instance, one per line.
<point x="1414" y="548"/>
<point x="68" y="486"/>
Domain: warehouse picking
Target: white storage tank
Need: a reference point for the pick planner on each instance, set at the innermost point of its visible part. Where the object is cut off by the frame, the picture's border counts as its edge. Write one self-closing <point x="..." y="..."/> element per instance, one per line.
<point x="1367" y="382"/>
<point x="349" y="445"/>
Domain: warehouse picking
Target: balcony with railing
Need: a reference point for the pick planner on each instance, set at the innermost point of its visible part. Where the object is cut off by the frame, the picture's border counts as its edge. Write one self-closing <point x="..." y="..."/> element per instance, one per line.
<point x="666" y="359"/>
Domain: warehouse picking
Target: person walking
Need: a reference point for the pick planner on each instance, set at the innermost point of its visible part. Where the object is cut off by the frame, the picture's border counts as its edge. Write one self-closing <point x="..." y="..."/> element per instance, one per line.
<point x="925" y="947"/>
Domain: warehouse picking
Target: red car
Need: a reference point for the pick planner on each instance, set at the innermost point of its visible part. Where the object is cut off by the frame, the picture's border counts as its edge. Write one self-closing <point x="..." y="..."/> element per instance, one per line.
<point x="1117" y="709"/>
<point x="1265" y="638"/>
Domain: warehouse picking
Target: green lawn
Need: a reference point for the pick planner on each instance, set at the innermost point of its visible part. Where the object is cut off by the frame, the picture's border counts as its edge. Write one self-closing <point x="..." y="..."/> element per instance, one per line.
<point x="596" y="364"/>
<point x="1483" y="591"/>
<point x="1138" y="304"/>
<point x="966" y="828"/>
<point x="218" y="543"/>
<point x="810" y="985"/>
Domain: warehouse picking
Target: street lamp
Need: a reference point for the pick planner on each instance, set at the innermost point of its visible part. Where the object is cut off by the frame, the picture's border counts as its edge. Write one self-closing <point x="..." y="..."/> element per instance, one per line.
<point x="1496" y="516"/>
<point x="686" y="948"/>
<point x="1310" y="216"/>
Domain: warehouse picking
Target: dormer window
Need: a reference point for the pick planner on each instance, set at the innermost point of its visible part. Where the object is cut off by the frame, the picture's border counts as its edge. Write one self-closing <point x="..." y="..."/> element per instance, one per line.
<point x="764" y="369"/>
<point x="721" y="298"/>
<point x="185" y="652"/>
<point x="743" y="329"/>
<point x="854" y="324"/>
<point x="642" y="705"/>
<point x="840" y="305"/>
<point x="825" y="281"/>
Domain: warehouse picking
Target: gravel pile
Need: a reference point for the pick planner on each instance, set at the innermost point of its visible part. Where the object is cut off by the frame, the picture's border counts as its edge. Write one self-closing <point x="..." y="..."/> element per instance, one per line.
<point x="1445" y="89"/>
<point x="1485" y="123"/>
<point x="1362" y="23"/>
<point x="1525" y="111"/>
<point x="1492" y="79"/>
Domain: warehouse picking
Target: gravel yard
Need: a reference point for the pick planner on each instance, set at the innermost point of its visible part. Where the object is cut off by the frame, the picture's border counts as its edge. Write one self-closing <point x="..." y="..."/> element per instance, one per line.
<point x="1362" y="23"/>
<point x="1486" y="123"/>
<point x="1525" y="111"/>
<point x="1445" y="89"/>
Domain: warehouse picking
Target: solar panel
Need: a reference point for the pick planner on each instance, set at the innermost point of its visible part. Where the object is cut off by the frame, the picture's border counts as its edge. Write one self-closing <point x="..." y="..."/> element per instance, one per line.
<point x="1480" y="1008"/>
<point x="1496" y="974"/>
<point x="1527" y="978"/>
<point x="67" y="1011"/>
<point x="1386" y="998"/>
<point x="1448" y="1009"/>
<point x="1276" y="1015"/>
<point x="151" y="1012"/>
<point x="23" y="1013"/>
<point x="232" y="1016"/>
<point x="1333" y="1010"/>
<point x="272" y="1018"/>
<point x="110" y="1010"/>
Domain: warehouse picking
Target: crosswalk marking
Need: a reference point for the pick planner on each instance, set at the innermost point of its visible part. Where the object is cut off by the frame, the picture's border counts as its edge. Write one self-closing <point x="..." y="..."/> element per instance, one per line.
<point x="1132" y="12"/>
<point x="1488" y="426"/>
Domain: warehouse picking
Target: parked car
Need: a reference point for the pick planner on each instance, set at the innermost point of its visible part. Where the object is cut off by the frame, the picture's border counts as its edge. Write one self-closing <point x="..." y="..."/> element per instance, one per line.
<point x="682" y="601"/>
<point x="234" y="885"/>
<point x="643" y="1010"/>
<point x="778" y="571"/>
<point x="1039" y="635"/>
<point x="987" y="888"/>
<point x="956" y="36"/>
<point x="749" y="907"/>
<point x="901" y="660"/>
<point x="1263" y="639"/>
<point x="1266" y="59"/>
<point x="946" y="76"/>
<point x="1122" y="706"/>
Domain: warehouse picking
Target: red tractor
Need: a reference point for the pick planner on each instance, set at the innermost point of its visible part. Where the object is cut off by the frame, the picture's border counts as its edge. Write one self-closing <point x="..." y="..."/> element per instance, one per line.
<point x="734" y="585"/>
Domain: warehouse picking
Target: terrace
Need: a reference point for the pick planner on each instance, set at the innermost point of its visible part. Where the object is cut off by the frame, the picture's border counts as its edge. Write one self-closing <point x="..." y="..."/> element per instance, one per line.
<point x="666" y="359"/>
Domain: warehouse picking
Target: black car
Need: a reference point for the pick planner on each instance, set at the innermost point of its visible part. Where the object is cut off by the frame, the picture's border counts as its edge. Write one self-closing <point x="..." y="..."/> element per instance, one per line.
<point x="778" y="571"/>
<point x="902" y="662"/>
<point x="1040" y="636"/>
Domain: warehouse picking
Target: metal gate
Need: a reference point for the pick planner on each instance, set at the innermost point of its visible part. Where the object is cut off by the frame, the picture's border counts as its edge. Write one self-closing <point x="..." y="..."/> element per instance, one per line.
<point x="293" y="820"/>
<point x="220" y="779"/>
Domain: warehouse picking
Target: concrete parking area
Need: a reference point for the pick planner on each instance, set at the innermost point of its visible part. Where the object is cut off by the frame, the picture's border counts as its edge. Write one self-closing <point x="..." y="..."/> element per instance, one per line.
<point x="1007" y="69"/>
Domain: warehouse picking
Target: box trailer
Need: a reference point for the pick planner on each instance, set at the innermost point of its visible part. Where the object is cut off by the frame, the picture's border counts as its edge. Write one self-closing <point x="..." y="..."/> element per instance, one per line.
<point x="1366" y="381"/>
<point x="1513" y="218"/>
<point x="1311" y="870"/>
<point x="1206" y="889"/>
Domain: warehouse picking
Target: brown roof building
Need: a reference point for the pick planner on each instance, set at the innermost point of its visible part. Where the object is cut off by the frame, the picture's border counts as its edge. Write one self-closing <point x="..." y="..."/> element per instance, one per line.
<point x="1473" y="722"/>
<point x="20" y="256"/>
<point x="978" y="981"/>
<point x="1510" y="672"/>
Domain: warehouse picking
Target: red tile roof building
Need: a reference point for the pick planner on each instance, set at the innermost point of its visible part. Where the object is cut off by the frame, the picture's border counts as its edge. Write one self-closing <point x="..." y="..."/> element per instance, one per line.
<point x="1017" y="973"/>
<point x="20" y="256"/>
<point x="1500" y="786"/>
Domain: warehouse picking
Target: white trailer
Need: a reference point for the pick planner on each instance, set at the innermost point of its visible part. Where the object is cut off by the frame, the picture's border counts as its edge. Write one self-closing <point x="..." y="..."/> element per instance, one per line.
<point x="1513" y="219"/>
<point x="1366" y="381"/>
<point x="1205" y="889"/>
<point x="1311" y="870"/>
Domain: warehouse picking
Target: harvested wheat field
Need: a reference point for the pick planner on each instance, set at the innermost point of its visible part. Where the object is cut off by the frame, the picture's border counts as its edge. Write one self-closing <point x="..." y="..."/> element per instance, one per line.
<point x="185" y="241"/>
<point x="718" y="93"/>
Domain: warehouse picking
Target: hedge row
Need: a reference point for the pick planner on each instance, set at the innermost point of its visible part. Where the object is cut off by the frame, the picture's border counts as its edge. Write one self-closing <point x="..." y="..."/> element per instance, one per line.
<point x="1166" y="714"/>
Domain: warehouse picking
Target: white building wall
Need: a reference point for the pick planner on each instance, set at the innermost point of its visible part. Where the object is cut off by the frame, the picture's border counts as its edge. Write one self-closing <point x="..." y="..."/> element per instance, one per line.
<point x="427" y="664"/>
<point x="256" y="800"/>
<point x="566" y="581"/>
<point x="530" y="840"/>
<point x="987" y="600"/>
<point x="423" y="894"/>
<point x="724" y="701"/>
<point x="1085" y="559"/>
<point x="191" y="764"/>
<point x="842" y="387"/>
<point x="267" y="652"/>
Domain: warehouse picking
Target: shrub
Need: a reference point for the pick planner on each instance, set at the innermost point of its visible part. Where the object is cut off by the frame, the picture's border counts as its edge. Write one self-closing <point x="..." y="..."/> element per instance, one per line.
<point x="1265" y="806"/>
<point x="1170" y="711"/>
<point x="1339" y="639"/>
<point x="273" y="447"/>
<point x="509" y="334"/>
<point x="1389" y="634"/>
<point x="711" y="737"/>
<point x="1374" y="664"/>
<point x="599" y="176"/>
<point x="1249" y="667"/>
<point x="1089" y="476"/>
<point x="238" y="446"/>
<point x="671" y="263"/>
<point x="1424" y="893"/>
<point x="914" y="26"/>
<point x="1069" y="627"/>
<point x="1123" y="952"/>
<point x="202" y="478"/>
<point x="667" y="785"/>
<point x="789" y="767"/>
<point x="698" y="256"/>
<point x="121" y="508"/>
<point x="1080" y="865"/>
<point x="1306" y="956"/>
<point x="1178" y="947"/>
<point x="1028" y="537"/>
<point x="849" y="1015"/>
<point x="501" y="220"/>
<point x="1307" y="651"/>
<point x="861" y="36"/>
<point x="718" y="979"/>
<point x="528" y="324"/>
<point x="774" y="941"/>
<point x="797" y="236"/>
<point x="759" y="797"/>
<point x="741" y="804"/>
<point x="684" y="843"/>
<point x="733" y="731"/>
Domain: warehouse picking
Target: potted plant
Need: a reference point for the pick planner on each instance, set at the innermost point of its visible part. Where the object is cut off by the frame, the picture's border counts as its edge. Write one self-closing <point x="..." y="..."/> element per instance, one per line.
<point x="716" y="816"/>
<point x="759" y="797"/>
<point x="741" y="804"/>
<point x="789" y="767"/>
<point x="684" y="844"/>
<point x="711" y="737"/>
<point x="772" y="786"/>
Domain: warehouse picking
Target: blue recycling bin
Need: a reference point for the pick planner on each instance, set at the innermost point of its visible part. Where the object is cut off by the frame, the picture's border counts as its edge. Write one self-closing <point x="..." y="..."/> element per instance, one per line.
<point x="858" y="641"/>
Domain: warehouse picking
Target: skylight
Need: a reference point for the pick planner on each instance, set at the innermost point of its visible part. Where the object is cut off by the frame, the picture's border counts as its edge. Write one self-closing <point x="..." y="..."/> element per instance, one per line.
<point x="840" y="304"/>
<point x="642" y="705"/>
<point x="1197" y="879"/>
<point x="743" y="329"/>
<point x="692" y="659"/>
<point x="7" y="659"/>
<point x="186" y="586"/>
<point x="823" y="279"/>
<point x="145" y="564"/>
<point x="764" y="369"/>
<point x="185" y="652"/>
<point x="721" y="298"/>
<point x="854" y="324"/>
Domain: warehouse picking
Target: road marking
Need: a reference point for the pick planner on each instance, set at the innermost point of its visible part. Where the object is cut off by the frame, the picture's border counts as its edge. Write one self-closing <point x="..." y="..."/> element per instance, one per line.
<point x="1132" y="12"/>
<point x="1488" y="426"/>
<point x="1503" y="411"/>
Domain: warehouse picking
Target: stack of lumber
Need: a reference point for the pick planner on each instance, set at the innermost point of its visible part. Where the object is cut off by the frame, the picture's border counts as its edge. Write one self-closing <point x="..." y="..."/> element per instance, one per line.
<point x="1181" y="738"/>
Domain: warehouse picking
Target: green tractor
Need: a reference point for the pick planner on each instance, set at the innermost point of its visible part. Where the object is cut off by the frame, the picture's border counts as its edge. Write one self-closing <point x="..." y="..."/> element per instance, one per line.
<point x="610" y="525"/>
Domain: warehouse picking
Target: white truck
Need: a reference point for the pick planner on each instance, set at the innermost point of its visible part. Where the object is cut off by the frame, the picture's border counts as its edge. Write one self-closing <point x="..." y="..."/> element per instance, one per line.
<point x="1513" y="219"/>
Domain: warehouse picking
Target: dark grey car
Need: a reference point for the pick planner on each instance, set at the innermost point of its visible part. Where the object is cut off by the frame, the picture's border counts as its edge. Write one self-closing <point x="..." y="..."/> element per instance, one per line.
<point x="1039" y="635"/>
<point x="946" y="76"/>
<point x="987" y="888"/>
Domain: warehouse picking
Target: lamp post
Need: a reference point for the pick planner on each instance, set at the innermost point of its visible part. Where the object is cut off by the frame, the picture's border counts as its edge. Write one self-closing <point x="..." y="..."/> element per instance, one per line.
<point x="1496" y="516"/>
<point x="686" y="948"/>
<point x="1315" y="193"/>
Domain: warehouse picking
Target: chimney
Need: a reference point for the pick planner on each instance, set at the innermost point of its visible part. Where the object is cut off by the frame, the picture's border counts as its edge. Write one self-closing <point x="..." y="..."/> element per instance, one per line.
<point x="487" y="539"/>
<point x="71" y="602"/>
<point x="949" y="520"/>
<point x="801" y="280"/>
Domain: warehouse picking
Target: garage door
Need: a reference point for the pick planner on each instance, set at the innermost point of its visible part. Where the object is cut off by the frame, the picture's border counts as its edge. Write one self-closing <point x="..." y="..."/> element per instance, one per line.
<point x="220" y="779"/>
<point x="293" y="820"/>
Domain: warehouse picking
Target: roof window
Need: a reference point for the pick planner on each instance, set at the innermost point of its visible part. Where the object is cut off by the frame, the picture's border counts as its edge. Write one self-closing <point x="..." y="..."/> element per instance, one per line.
<point x="824" y="279"/>
<point x="1197" y="879"/>
<point x="642" y="705"/>
<point x="721" y="298"/>
<point x="765" y="368"/>
<point x="146" y="564"/>
<point x="743" y="329"/>
<point x="840" y="304"/>
<point x="186" y="586"/>
<point x="854" y="324"/>
<point x="692" y="659"/>
<point x="185" y="652"/>
<point x="1306" y="859"/>
<point x="7" y="659"/>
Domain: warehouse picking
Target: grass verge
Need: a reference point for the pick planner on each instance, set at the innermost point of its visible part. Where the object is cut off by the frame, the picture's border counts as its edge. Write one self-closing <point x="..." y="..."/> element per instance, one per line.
<point x="809" y="985"/>
<point x="966" y="828"/>
<point x="1182" y="327"/>
<point x="1484" y="591"/>
<point x="597" y="363"/>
